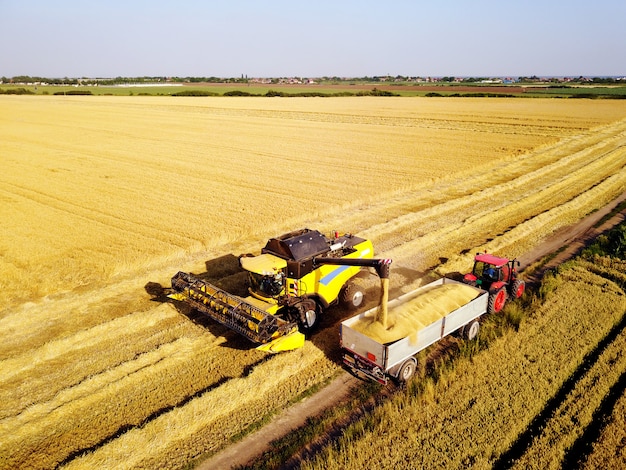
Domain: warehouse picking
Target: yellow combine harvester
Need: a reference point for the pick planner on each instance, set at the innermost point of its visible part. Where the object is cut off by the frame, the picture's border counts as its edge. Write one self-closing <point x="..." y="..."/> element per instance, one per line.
<point x="295" y="278"/>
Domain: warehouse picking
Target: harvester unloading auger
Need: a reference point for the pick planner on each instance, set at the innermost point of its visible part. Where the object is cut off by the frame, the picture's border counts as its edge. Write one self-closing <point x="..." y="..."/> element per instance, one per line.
<point x="296" y="277"/>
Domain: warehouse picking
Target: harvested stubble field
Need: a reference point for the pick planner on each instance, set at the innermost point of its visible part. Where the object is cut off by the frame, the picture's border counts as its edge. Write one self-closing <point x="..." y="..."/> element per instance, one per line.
<point x="102" y="195"/>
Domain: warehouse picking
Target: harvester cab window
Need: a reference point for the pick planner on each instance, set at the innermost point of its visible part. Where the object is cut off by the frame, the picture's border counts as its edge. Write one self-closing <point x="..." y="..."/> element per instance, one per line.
<point x="267" y="285"/>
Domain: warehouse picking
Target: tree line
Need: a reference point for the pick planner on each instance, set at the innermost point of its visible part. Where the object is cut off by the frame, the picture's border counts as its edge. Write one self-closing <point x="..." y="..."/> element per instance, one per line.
<point x="24" y="79"/>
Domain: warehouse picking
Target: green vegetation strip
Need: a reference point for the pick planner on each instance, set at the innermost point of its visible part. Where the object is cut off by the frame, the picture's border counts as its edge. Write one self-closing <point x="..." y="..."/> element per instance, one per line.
<point x="324" y="89"/>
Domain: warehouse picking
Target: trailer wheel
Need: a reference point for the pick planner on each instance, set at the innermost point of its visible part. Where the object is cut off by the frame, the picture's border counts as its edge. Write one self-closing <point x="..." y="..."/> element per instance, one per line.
<point x="353" y="295"/>
<point x="407" y="370"/>
<point x="470" y="331"/>
<point x="496" y="301"/>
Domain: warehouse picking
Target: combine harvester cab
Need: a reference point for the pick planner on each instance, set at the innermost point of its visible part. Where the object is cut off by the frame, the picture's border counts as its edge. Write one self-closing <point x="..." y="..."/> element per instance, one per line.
<point x="301" y="273"/>
<point x="294" y="279"/>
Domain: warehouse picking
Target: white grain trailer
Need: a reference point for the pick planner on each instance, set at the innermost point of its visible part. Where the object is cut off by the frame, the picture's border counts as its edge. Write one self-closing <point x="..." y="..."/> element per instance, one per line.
<point x="365" y="355"/>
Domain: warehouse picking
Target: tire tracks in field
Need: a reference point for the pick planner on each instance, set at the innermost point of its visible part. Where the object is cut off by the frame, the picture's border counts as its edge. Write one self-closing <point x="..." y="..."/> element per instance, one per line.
<point x="577" y="455"/>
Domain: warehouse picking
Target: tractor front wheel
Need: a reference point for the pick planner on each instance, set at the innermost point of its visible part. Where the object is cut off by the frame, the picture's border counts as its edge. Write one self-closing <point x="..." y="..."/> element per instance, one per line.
<point x="496" y="301"/>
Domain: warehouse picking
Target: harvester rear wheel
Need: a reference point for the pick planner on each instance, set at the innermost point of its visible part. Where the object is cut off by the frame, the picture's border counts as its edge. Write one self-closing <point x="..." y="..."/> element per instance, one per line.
<point x="353" y="295"/>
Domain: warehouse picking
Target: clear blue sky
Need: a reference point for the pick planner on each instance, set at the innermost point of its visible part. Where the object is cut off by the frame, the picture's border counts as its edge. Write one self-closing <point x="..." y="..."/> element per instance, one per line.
<point x="276" y="38"/>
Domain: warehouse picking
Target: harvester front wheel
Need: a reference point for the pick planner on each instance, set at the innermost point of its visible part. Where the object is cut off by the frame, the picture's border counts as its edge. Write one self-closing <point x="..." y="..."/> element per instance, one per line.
<point x="308" y="314"/>
<point x="353" y="295"/>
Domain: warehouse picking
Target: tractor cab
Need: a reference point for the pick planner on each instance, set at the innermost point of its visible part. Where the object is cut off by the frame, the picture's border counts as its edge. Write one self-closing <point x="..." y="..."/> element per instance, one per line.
<point x="498" y="276"/>
<point x="489" y="269"/>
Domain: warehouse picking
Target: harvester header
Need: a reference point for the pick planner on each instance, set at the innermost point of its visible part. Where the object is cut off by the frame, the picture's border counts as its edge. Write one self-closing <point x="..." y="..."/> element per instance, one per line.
<point x="235" y="313"/>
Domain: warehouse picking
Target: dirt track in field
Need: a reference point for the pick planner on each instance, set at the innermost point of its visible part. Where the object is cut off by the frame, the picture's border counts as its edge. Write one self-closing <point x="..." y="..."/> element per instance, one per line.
<point x="568" y="241"/>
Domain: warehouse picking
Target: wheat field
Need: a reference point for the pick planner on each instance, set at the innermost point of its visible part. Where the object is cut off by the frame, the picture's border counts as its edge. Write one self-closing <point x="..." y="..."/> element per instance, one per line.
<point x="102" y="195"/>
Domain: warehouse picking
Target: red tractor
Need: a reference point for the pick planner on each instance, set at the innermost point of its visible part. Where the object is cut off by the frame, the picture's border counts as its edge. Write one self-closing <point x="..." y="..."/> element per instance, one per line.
<point x="498" y="276"/>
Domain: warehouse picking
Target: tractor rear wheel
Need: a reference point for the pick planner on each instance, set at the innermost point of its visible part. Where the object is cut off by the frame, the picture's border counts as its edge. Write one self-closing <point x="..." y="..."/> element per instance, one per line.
<point x="496" y="301"/>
